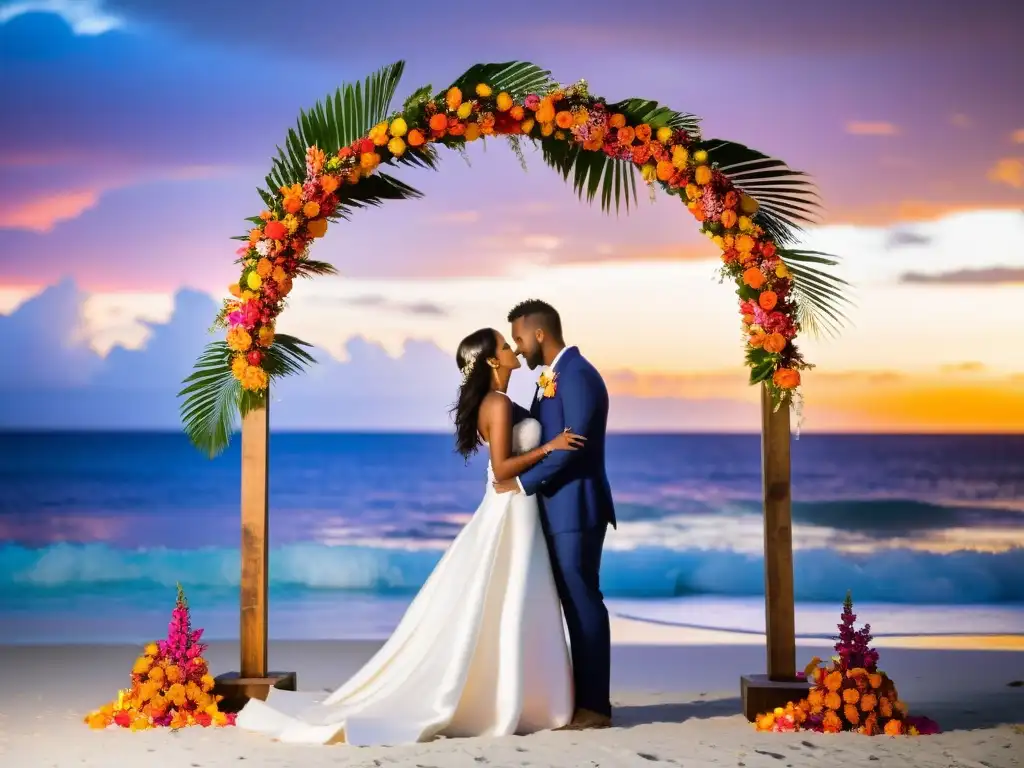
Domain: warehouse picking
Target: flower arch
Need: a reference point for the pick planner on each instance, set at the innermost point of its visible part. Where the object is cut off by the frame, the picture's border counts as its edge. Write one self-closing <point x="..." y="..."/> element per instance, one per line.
<point x="751" y="205"/>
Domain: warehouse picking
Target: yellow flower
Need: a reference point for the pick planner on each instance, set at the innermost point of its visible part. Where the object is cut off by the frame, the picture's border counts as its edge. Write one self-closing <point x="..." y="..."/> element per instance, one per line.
<point x="266" y="336"/>
<point x="719" y="241"/>
<point x="700" y="156"/>
<point x="334" y="163"/>
<point x="465" y="110"/>
<point x="483" y="90"/>
<point x="453" y="98"/>
<point x="745" y="224"/>
<point x="238" y="366"/>
<point x="528" y="124"/>
<point x="156" y="673"/>
<point x="399" y="127"/>
<point x="291" y="224"/>
<point x="253" y="281"/>
<point x="140" y="723"/>
<point x="379" y="134"/>
<point x="472" y="132"/>
<point x="369" y="160"/>
<point x="219" y="719"/>
<point x="649" y="172"/>
<point x="238" y="340"/>
<point x="176" y="693"/>
<point x="692" y="191"/>
<point x="748" y="204"/>
<point x="680" y="157"/>
<point x="255" y="379"/>
<point x="664" y="134"/>
<point x="152" y="649"/>
<point x="207" y="682"/>
<point x="396" y="146"/>
<point x="702" y="175"/>
<point x="311" y="209"/>
<point x="781" y="271"/>
<point x="173" y="671"/>
<point x="142" y="665"/>
<point x="546" y="129"/>
<point x="504" y="102"/>
<point x="580" y="116"/>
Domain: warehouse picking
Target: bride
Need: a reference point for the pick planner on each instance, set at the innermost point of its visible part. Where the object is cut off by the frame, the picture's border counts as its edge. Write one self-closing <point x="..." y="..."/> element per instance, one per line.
<point x="481" y="651"/>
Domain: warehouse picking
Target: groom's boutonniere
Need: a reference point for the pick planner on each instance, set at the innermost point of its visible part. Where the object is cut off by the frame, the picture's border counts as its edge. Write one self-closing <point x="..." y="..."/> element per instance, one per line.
<point x="548" y="384"/>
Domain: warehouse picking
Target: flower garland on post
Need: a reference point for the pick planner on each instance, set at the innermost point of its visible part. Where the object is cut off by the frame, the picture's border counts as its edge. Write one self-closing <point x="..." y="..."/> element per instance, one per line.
<point x="277" y="247"/>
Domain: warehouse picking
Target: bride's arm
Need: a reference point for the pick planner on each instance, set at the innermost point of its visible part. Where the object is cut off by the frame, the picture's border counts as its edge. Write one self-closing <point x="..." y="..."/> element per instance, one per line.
<point x="496" y="415"/>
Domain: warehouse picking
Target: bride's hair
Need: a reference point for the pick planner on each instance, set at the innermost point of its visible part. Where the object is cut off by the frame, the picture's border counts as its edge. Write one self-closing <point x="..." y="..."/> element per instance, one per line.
<point x="472" y="356"/>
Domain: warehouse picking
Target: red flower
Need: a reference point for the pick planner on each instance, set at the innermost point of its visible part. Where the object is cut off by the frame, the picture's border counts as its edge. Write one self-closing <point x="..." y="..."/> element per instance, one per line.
<point x="275" y="230"/>
<point x="768" y="249"/>
<point x="123" y="718"/>
<point x="202" y="719"/>
<point x="365" y="145"/>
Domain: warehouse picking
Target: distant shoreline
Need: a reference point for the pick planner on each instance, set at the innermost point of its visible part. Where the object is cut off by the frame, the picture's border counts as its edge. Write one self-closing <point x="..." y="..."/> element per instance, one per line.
<point x="383" y="431"/>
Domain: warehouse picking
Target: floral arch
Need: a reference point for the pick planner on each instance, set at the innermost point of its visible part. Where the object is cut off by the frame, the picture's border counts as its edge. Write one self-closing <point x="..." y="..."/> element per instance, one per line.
<point x="752" y="206"/>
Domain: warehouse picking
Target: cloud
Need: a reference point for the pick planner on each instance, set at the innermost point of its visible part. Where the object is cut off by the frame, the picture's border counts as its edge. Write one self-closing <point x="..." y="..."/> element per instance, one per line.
<point x="980" y="276"/>
<point x="1017" y="137"/>
<point x="84" y="17"/>
<point x="880" y="128"/>
<point x="1008" y="171"/>
<point x="42" y="213"/>
<point x="905" y="238"/>
<point x="407" y="308"/>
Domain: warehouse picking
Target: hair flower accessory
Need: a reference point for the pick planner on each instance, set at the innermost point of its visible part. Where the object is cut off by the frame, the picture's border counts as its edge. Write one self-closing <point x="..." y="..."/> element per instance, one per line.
<point x="467" y="369"/>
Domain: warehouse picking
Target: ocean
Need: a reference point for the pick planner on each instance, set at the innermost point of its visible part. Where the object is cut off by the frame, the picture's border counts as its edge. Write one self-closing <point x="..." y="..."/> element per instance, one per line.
<point x="96" y="529"/>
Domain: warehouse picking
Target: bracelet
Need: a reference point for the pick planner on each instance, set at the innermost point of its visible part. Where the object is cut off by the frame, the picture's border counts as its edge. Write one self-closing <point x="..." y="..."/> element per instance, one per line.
<point x="547" y="449"/>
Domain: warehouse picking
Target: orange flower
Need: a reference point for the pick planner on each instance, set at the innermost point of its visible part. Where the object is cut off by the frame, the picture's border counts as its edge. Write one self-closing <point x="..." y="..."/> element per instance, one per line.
<point x="851" y="695"/>
<point x="816" y="699"/>
<point x="643" y="133"/>
<point x="767" y="300"/>
<point x="831" y="723"/>
<point x="833" y="700"/>
<point x="755" y="279"/>
<point x="894" y="728"/>
<point x="517" y="112"/>
<point x="775" y="343"/>
<point x="235" y="290"/>
<point x="266" y="336"/>
<point x="415" y="138"/>
<point x="757" y="340"/>
<point x="329" y="183"/>
<point x="255" y="234"/>
<point x="279" y="274"/>
<point x="852" y="714"/>
<point x="875" y="680"/>
<point x="369" y="160"/>
<point x="438" y="122"/>
<point x="729" y="218"/>
<point x="745" y="243"/>
<point x="311" y="209"/>
<point x="317" y="227"/>
<point x="834" y="680"/>
<point x="453" y="98"/>
<point x="870" y="727"/>
<point x="731" y="199"/>
<point x="665" y="170"/>
<point x="729" y="255"/>
<point x="626" y="135"/>
<point x="264" y="267"/>
<point x="786" y="378"/>
<point x="564" y="119"/>
<point x="885" y="707"/>
<point x="292" y="204"/>
<point x="617" y="120"/>
<point x="702" y="175"/>
<point x="868" y="702"/>
<point x="503" y="102"/>
<point x="239" y="340"/>
<point x="546" y="111"/>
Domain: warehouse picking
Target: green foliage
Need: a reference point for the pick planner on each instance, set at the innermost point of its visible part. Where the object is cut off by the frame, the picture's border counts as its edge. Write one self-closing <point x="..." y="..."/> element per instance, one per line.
<point x="820" y="296"/>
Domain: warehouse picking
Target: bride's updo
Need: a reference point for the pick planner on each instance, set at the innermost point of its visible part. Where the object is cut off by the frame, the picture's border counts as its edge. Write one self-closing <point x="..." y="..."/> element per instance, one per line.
<point x="472" y="356"/>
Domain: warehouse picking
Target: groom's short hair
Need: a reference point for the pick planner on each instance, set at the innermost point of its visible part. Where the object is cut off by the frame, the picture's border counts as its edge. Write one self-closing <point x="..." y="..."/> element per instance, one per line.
<point x="541" y="313"/>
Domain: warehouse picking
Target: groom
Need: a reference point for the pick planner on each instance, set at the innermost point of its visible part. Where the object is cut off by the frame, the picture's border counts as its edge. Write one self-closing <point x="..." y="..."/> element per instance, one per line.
<point x="574" y="497"/>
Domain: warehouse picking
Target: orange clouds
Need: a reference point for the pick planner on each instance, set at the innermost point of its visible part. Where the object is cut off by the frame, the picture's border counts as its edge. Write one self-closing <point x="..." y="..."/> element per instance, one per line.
<point x="1008" y="171"/>
<point x="877" y="128"/>
<point x="1017" y="137"/>
<point x="887" y="213"/>
<point x="43" y="213"/>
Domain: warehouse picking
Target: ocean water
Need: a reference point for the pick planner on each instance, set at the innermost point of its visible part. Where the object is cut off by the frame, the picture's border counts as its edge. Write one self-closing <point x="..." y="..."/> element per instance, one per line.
<point x="96" y="529"/>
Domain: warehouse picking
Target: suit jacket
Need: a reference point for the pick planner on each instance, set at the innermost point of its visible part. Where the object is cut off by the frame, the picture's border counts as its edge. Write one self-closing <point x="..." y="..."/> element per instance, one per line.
<point x="572" y="486"/>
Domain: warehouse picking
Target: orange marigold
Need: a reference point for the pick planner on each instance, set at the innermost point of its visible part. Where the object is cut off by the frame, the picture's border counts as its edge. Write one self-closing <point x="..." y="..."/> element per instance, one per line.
<point x="833" y="700"/>
<point x="868" y="702"/>
<point x="767" y="300"/>
<point x="894" y="728"/>
<point x="831" y="723"/>
<point x="755" y="279"/>
<point x="625" y="135"/>
<point x="329" y="183"/>
<point x="438" y="122"/>
<point x="885" y="707"/>
<point x="745" y="243"/>
<point x="617" y="120"/>
<point x="875" y="680"/>
<point x="453" y="98"/>
<point x="311" y="209"/>
<point x="729" y="217"/>
<point x="852" y="714"/>
<point x="239" y="340"/>
<point x="643" y="132"/>
<point x="665" y="170"/>
<point x="415" y="138"/>
<point x="702" y="175"/>
<point x="786" y="378"/>
<point x="775" y="343"/>
<point x="851" y="695"/>
<point x="264" y="267"/>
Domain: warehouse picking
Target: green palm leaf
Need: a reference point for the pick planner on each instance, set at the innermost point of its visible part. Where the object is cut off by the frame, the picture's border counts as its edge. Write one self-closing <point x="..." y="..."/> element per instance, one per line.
<point x="820" y="296"/>
<point x="214" y="399"/>
<point x="517" y="78"/>
<point x="788" y="199"/>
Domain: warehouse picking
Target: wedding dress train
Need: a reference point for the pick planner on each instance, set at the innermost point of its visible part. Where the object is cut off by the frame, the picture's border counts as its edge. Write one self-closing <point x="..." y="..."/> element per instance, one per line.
<point x="481" y="651"/>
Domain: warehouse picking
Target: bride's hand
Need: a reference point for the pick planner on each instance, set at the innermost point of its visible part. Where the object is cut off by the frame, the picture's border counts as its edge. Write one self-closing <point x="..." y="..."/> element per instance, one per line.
<point x="566" y="441"/>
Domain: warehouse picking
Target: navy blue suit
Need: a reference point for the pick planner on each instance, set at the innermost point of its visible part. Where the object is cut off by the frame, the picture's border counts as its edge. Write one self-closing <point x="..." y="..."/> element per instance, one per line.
<point x="576" y="508"/>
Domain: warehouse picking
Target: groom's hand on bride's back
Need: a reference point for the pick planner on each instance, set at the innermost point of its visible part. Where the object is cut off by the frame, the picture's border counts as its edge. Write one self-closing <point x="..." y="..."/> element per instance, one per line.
<point x="506" y="486"/>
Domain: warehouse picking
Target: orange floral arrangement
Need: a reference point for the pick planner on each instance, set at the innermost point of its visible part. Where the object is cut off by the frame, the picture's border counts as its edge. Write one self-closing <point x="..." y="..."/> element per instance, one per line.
<point x="849" y="693"/>
<point x="677" y="160"/>
<point x="170" y="684"/>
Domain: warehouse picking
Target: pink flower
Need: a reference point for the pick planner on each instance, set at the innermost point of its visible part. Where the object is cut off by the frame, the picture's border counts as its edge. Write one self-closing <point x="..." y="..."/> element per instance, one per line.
<point x="532" y="102"/>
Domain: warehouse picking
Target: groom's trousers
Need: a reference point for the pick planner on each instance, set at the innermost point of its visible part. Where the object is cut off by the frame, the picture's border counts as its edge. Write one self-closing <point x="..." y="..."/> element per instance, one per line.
<point x="576" y="563"/>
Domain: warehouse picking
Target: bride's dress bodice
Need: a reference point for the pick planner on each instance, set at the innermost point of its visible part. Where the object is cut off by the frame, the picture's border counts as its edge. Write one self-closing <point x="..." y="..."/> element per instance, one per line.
<point x="526" y="435"/>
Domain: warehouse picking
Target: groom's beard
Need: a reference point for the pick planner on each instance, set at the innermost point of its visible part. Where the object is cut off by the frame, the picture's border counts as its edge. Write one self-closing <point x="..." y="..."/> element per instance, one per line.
<point x="535" y="360"/>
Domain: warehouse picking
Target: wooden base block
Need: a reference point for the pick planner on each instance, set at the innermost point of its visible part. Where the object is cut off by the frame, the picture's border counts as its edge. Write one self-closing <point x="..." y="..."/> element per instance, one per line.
<point x="761" y="694"/>
<point x="237" y="690"/>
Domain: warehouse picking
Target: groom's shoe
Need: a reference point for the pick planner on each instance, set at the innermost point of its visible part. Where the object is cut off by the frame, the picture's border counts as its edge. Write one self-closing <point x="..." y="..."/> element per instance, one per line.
<point x="585" y="720"/>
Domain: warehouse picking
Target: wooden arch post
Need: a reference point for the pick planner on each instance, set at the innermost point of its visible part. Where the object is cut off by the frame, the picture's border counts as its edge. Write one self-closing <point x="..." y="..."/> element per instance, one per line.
<point x="254" y="680"/>
<point x="762" y="693"/>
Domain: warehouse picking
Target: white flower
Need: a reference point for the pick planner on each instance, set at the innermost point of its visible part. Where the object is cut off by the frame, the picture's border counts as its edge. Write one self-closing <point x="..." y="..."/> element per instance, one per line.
<point x="263" y="247"/>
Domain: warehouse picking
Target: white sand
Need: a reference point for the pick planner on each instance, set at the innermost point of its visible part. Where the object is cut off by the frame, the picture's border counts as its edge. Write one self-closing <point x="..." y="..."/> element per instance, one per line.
<point x="676" y="699"/>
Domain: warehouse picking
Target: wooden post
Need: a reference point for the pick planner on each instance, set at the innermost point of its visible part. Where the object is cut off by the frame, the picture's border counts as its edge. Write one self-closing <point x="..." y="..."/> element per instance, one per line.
<point x="761" y="693"/>
<point x="254" y="680"/>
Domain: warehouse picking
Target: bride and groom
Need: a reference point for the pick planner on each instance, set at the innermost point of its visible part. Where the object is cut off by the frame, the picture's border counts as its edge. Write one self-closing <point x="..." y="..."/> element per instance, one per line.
<point x="481" y="650"/>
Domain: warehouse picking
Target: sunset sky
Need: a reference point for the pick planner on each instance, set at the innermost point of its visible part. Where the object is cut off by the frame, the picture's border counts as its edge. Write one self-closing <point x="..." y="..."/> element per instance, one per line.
<point x="137" y="132"/>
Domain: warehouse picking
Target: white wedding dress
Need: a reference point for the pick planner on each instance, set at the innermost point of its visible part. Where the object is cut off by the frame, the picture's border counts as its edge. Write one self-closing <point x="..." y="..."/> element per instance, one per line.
<point x="481" y="651"/>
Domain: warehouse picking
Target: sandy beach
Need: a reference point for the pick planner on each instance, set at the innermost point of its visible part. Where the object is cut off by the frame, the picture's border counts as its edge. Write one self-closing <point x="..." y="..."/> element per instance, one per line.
<point x="675" y="693"/>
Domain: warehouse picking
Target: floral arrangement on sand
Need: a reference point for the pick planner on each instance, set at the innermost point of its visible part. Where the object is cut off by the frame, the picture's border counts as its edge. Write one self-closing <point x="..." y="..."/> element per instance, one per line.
<point x="849" y="693"/>
<point x="170" y="684"/>
<point x="751" y="206"/>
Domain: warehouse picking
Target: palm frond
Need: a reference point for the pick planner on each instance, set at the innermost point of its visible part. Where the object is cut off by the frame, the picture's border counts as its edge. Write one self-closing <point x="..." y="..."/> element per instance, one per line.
<point x="820" y="296"/>
<point x="209" y="412"/>
<point x="592" y="171"/>
<point x="788" y="199"/>
<point x="314" y="268"/>
<point x="214" y="399"/>
<point x="517" y="78"/>
<point x="656" y="115"/>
